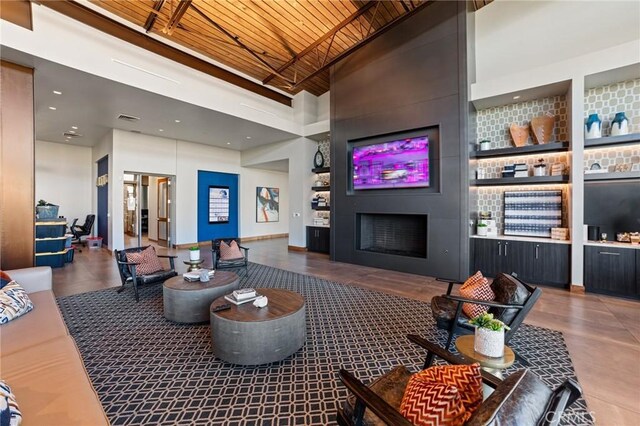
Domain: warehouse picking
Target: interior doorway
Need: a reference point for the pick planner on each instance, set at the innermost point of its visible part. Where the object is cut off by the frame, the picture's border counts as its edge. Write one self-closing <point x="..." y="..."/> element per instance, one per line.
<point x="148" y="209"/>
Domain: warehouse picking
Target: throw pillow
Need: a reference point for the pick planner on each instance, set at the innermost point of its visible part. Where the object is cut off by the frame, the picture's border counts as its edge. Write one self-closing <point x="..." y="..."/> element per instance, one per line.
<point x="466" y="378"/>
<point x="14" y="302"/>
<point x="230" y="251"/>
<point x="10" y="414"/>
<point x="4" y="279"/>
<point x="508" y="291"/>
<point x="476" y="287"/>
<point x="432" y="404"/>
<point x="147" y="260"/>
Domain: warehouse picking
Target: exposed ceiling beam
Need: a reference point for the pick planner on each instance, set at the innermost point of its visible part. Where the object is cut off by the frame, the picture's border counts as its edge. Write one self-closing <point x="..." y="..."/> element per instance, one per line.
<point x="151" y="19"/>
<point x="123" y="32"/>
<point x="177" y="15"/>
<point x="365" y="41"/>
<point x="265" y="64"/>
<point x="319" y="41"/>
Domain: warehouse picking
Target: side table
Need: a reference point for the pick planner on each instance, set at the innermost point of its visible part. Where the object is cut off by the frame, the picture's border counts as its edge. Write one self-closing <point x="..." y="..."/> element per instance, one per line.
<point x="194" y="265"/>
<point x="464" y="345"/>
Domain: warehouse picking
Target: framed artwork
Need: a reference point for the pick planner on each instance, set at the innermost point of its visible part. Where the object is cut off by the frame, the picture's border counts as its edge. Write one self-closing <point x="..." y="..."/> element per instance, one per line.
<point x="532" y="213"/>
<point x="219" y="204"/>
<point x="267" y="204"/>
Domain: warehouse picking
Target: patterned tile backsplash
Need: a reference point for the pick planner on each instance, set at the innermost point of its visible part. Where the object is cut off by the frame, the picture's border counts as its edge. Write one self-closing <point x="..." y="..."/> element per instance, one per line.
<point x="492" y="167"/>
<point x="608" y="158"/>
<point x="618" y="97"/>
<point x="325" y="149"/>
<point x="491" y="199"/>
<point x="493" y="123"/>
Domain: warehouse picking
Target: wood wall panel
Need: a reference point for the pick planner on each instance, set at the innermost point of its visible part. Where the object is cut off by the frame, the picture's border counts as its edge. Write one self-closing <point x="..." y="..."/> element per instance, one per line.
<point x="17" y="167"/>
<point x="18" y="12"/>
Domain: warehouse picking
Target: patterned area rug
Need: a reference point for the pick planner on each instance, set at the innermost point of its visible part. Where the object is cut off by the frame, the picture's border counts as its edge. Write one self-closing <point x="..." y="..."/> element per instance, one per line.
<point x="150" y="371"/>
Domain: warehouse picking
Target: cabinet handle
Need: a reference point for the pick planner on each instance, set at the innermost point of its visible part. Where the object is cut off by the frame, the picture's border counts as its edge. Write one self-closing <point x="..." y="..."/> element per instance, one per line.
<point x="537" y="247"/>
<point x="506" y="246"/>
<point x="609" y="253"/>
<point x="499" y="249"/>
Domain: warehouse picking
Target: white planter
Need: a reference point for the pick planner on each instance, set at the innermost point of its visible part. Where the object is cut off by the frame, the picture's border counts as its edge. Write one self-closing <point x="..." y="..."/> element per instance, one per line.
<point x="482" y="230"/>
<point x="488" y="342"/>
<point x="194" y="254"/>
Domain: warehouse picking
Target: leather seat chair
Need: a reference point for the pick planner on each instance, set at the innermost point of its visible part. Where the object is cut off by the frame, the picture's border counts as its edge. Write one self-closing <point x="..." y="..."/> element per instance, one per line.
<point x="128" y="273"/>
<point x="521" y="399"/>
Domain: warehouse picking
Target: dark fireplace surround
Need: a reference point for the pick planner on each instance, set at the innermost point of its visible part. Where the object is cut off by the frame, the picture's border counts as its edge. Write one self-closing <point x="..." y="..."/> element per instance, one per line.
<point x="395" y="234"/>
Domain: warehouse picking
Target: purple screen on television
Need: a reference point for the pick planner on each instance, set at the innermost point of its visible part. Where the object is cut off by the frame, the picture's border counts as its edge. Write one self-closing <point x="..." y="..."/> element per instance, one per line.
<point x="399" y="164"/>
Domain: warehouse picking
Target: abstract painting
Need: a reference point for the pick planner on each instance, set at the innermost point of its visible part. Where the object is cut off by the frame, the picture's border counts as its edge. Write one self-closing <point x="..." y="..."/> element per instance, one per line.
<point x="532" y="213"/>
<point x="267" y="204"/>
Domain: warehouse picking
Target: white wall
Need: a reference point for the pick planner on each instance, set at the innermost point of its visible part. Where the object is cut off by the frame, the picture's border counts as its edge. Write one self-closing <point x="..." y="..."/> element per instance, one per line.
<point x="249" y="180"/>
<point x="133" y="152"/>
<point x="63" y="177"/>
<point x="517" y="36"/>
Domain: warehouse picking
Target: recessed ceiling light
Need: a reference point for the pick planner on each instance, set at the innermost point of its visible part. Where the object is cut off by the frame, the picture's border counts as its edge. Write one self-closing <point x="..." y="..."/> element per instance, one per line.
<point x="248" y="137"/>
<point x="72" y="131"/>
<point x="228" y="143"/>
<point x="52" y="108"/>
<point x="57" y="92"/>
<point x="516" y="97"/>
<point x="177" y="121"/>
<point x="74" y="127"/>
<point x="161" y="130"/>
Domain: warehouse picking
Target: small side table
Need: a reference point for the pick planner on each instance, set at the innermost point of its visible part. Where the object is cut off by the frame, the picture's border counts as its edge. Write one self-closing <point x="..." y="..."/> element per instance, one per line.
<point x="193" y="264"/>
<point x="464" y="345"/>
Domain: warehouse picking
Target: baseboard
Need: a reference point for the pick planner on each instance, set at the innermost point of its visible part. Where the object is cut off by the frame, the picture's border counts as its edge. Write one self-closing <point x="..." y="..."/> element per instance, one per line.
<point x="577" y="289"/>
<point x="263" y="237"/>
<point x="242" y="239"/>
<point x="296" y="248"/>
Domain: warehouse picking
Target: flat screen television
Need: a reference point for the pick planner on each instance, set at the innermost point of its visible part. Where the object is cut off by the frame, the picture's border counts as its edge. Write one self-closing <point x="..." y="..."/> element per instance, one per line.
<point x="402" y="163"/>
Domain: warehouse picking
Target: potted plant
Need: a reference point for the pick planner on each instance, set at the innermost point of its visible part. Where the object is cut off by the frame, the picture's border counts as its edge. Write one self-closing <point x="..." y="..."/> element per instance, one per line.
<point x="489" y="336"/>
<point x="45" y="210"/>
<point x="481" y="228"/>
<point x="194" y="253"/>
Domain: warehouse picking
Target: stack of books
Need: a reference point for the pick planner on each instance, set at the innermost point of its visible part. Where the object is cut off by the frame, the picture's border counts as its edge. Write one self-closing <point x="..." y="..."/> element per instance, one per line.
<point x="509" y="171"/>
<point x="521" y="170"/>
<point x="195" y="275"/>
<point x="244" y="295"/>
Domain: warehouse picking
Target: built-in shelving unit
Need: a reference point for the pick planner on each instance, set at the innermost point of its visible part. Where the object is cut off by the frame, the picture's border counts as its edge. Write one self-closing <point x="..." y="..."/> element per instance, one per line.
<point x="524" y="150"/>
<point x="318" y="235"/>
<point x="531" y="180"/>
<point x="630" y="139"/>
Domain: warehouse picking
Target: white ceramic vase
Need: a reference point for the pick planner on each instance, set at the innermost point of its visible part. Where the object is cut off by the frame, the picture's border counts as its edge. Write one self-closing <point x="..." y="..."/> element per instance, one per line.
<point x="194" y="254"/>
<point x="488" y="342"/>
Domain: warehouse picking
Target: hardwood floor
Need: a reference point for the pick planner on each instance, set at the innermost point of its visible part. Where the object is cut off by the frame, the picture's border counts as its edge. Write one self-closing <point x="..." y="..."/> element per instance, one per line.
<point x="602" y="333"/>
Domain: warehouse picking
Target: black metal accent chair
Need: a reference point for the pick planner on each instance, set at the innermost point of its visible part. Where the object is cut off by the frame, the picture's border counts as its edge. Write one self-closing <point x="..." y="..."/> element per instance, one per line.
<point x="128" y="272"/>
<point x="219" y="263"/>
<point x="514" y="300"/>
<point x="521" y="399"/>
<point x="83" y="230"/>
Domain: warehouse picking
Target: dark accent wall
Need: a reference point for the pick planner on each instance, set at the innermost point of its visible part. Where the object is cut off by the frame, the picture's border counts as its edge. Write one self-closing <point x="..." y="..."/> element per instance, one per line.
<point x="622" y="211"/>
<point x="414" y="76"/>
<point x="210" y="231"/>
<point x="103" y="202"/>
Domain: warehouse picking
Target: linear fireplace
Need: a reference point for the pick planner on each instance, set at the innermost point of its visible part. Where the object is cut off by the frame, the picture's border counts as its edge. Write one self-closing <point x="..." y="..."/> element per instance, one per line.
<point x="397" y="234"/>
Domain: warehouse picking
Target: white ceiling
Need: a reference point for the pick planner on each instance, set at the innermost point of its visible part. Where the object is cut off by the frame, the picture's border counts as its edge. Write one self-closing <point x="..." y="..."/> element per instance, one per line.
<point x="92" y="104"/>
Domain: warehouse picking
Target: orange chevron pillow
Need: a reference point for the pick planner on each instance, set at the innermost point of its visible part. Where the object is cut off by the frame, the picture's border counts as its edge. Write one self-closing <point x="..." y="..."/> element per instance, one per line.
<point x="432" y="404"/>
<point x="466" y="378"/>
<point x="443" y="395"/>
<point x="476" y="287"/>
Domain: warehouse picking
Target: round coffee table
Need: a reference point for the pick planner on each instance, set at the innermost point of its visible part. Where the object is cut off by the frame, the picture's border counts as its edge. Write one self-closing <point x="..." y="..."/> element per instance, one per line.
<point x="247" y="335"/>
<point x="464" y="345"/>
<point x="188" y="302"/>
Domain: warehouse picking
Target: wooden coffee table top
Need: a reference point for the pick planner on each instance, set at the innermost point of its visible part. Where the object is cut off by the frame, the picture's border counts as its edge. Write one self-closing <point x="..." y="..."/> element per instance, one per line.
<point x="464" y="345"/>
<point x="281" y="304"/>
<point x="220" y="278"/>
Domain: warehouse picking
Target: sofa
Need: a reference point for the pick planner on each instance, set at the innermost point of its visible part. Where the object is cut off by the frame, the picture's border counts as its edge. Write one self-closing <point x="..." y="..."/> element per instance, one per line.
<point x="39" y="360"/>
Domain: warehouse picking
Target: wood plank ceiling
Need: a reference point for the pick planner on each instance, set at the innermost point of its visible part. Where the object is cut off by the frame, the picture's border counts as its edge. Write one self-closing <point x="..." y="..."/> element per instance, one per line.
<point x="288" y="44"/>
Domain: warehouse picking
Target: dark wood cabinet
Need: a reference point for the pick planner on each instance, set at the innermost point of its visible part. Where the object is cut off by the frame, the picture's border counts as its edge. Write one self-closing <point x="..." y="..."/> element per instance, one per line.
<point x="318" y="239"/>
<point x="611" y="270"/>
<point x="534" y="263"/>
